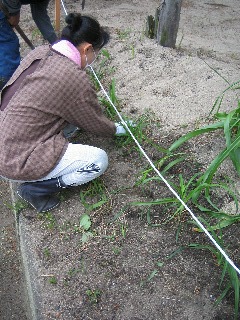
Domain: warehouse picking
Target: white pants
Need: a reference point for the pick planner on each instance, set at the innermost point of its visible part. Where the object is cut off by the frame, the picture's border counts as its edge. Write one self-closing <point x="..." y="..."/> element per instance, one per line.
<point x="80" y="164"/>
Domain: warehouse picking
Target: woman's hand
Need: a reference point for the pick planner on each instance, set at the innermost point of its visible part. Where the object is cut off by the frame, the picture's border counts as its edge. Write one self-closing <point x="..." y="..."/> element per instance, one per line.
<point x="120" y="129"/>
<point x="14" y="20"/>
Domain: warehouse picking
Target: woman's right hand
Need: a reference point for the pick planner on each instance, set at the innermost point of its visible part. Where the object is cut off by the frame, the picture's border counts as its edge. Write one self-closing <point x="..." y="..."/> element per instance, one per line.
<point x="14" y="20"/>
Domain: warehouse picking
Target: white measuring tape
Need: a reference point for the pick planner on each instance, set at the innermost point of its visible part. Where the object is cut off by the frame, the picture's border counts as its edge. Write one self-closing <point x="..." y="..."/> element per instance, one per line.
<point x="159" y="174"/>
<point x="165" y="181"/>
<point x="64" y="7"/>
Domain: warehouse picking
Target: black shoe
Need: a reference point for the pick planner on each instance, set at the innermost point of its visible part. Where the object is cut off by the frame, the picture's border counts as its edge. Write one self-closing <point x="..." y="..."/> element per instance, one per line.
<point x="40" y="203"/>
<point x="40" y="194"/>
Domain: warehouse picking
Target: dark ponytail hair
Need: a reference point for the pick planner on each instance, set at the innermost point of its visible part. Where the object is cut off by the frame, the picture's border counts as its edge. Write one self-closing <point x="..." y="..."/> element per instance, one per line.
<point x="81" y="29"/>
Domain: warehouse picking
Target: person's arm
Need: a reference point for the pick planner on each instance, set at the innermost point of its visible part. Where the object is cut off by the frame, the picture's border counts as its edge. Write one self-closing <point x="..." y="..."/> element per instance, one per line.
<point x="85" y="112"/>
<point x="42" y="20"/>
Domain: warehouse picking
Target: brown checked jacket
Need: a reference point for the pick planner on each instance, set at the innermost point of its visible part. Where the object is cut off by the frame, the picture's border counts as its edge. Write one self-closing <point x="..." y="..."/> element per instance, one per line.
<point x="58" y="92"/>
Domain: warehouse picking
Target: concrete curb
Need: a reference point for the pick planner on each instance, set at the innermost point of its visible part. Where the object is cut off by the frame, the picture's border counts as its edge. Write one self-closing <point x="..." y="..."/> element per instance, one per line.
<point x="29" y="264"/>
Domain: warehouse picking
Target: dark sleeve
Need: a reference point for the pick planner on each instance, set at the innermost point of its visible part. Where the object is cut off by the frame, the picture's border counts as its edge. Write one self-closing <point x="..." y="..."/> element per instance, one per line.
<point x="13" y="6"/>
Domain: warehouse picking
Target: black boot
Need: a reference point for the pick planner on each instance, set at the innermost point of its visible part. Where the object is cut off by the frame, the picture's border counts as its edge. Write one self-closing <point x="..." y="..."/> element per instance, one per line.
<point x="40" y="194"/>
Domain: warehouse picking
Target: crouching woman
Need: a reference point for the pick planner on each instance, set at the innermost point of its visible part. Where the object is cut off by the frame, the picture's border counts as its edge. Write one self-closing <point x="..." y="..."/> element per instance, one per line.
<point x="48" y="91"/>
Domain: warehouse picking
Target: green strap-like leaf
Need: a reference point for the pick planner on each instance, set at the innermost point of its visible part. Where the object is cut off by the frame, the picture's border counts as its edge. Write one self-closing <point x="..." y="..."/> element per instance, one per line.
<point x="192" y="134"/>
<point x="155" y="202"/>
<point x="208" y="175"/>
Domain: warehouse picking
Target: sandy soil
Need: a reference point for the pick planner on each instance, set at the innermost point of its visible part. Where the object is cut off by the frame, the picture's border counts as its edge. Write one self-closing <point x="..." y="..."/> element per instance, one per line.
<point x="125" y="263"/>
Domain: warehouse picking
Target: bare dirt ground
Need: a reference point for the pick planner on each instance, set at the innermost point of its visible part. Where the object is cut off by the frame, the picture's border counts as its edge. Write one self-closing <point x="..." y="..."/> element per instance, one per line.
<point x="123" y="271"/>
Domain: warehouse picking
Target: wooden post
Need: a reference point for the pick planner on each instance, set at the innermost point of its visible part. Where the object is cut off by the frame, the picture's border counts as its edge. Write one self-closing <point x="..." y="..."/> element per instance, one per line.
<point x="168" y="22"/>
<point x="57" y="16"/>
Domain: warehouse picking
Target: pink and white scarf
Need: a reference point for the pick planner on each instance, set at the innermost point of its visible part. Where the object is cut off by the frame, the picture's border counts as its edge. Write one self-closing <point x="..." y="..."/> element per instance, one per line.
<point x="68" y="50"/>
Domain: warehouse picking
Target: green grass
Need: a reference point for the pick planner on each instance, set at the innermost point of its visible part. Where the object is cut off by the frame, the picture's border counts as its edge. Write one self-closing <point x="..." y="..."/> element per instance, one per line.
<point x="123" y="34"/>
<point x="201" y="186"/>
<point x="53" y="280"/>
<point x="46" y="252"/>
<point x="101" y="68"/>
<point x="49" y="221"/>
<point x="197" y="191"/>
<point x="18" y="206"/>
<point x="94" y="295"/>
<point x="108" y="108"/>
<point x="229" y="277"/>
<point x="95" y="190"/>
